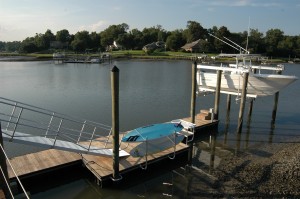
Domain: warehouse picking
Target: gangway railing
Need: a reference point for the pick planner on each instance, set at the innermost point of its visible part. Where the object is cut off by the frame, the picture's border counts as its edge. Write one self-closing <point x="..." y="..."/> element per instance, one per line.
<point x="33" y="125"/>
<point x="6" y="181"/>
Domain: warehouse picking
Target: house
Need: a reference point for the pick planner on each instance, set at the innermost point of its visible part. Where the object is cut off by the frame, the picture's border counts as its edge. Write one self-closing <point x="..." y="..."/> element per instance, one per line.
<point x="193" y="47"/>
<point x="153" y="46"/>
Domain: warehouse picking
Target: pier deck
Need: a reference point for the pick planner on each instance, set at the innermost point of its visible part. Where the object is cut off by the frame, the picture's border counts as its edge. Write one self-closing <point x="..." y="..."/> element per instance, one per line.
<point x="101" y="166"/>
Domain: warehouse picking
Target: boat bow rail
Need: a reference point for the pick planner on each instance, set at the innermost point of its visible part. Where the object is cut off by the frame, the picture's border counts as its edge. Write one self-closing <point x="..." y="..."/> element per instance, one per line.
<point x="27" y="124"/>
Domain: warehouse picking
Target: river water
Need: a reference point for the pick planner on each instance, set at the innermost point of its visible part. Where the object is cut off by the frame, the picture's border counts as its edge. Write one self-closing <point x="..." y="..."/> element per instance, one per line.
<point x="150" y="92"/>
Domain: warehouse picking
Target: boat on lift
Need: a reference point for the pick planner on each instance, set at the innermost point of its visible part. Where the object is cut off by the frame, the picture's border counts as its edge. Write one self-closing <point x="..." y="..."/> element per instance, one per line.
<point x="259" y="83"/>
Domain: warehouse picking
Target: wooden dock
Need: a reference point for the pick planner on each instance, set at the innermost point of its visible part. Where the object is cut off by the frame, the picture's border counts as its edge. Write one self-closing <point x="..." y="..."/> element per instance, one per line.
<point x="29" y="165"/>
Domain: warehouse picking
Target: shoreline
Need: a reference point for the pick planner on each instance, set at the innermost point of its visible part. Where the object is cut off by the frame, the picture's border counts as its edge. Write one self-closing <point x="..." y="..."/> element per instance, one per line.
<point x="270" y="171"/>
<point x="20" y="58"/>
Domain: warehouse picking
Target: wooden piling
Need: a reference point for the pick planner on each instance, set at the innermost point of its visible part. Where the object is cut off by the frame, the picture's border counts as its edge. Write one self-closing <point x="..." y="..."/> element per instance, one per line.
<point x="217" y="94"/>
<point x="3" y="165"/>
<point x="228" y="107"/>
<point x="115" y="121"/>
<point x="243" y="102"/>
<point x="194" y="89"/>
<point x="276" y="97"/>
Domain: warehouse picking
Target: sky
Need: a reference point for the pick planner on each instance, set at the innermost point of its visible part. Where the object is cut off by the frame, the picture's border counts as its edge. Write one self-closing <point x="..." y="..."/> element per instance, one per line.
<point x="20" y="19"/>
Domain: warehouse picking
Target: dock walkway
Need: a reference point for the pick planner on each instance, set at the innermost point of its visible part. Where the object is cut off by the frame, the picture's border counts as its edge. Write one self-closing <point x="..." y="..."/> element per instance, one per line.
<point x="101" y="166"/>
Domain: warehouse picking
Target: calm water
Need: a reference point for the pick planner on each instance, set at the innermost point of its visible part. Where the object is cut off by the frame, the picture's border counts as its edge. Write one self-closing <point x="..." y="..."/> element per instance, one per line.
<point x="150" y="92"/>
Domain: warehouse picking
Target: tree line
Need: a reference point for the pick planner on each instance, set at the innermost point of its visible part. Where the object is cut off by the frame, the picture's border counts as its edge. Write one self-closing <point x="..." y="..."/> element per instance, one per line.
<point x="273" y="43"/>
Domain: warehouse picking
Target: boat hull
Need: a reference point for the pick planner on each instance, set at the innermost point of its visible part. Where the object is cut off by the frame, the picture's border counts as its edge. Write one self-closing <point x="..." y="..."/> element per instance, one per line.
<point x="258" y="84"/>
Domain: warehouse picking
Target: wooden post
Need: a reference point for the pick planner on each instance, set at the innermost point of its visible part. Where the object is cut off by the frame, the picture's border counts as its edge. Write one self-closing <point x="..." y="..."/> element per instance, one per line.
<point x="228" y="107"/>
<point x="194" y="89"/>
<point x="115" y="121"/>
<point x="193" y="107"/>
<point x="3" y="165"/>
<point x="217" y="94"/>
<point x="274" y="112"/>
<point x="250" y="106"/>
<point x="243" y="101"/>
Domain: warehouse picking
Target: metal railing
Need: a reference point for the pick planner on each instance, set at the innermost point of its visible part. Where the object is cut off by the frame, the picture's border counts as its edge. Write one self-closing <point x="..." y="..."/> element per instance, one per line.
<point x="7" y="180"/>
<point x="20" y="117"/>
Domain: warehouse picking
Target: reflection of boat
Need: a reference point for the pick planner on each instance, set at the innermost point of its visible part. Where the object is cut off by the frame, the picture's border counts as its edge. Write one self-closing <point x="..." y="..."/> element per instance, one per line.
<point x="232" y="78"/>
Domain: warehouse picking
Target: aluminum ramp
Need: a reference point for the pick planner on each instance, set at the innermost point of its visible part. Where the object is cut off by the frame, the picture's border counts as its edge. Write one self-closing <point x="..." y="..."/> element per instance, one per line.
<point x="30" y="125"/>
<point x="23" y="138"/>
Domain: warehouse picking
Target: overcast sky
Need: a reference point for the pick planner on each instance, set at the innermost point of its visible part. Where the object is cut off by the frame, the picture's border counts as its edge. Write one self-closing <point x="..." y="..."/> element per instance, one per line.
<point x="24" y="18"/>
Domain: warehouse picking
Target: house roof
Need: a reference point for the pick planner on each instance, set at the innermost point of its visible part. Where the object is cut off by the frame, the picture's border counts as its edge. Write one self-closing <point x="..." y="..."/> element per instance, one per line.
<point x="194" y="44"/>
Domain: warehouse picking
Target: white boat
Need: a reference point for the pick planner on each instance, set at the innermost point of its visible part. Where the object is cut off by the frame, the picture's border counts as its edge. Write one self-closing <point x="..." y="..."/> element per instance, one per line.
<point x="232" y="78"/>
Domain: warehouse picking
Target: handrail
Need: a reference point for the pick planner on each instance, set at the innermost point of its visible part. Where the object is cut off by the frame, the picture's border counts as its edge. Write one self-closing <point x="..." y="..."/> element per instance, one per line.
<point x="49" y="124"/>
<point x="23" y="189"/>
<point x="59" y="115"/>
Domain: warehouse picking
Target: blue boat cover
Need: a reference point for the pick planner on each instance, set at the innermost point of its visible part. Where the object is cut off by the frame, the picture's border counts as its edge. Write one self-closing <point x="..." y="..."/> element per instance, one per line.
<point x="151" y="132"/>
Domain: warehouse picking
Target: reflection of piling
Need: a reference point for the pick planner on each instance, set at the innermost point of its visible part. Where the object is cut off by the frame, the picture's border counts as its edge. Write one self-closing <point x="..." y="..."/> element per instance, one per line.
<point x="3" y="165"/>
<point x="217" y="95"/>
<point x="243" y="101"/>
<point x="115" y="120"/>
<point x="212" y="152"/>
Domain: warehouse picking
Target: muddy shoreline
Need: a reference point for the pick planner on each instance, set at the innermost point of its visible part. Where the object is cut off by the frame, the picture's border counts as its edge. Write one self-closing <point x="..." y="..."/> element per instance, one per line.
<point x="271" y="171"/>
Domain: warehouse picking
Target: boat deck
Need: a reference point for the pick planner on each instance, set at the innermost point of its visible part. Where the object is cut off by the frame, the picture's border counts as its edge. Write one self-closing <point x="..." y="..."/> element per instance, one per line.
<point x="101" y="166"/>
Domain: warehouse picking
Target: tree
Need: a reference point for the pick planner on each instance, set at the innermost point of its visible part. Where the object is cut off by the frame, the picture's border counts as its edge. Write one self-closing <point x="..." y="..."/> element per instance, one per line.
<point x="256" y="41"/>
<point x="137" y="39"/>
<point x="272" y="38"/>
<point x="63" y="36"/>
<point x="220" y="46"/>
<point x="2" y="46"/>
<point x="48" y="37"/>
<point x="194" y="31"/>
<point x="111" y="34"/>
<point x="94" y="41"/>
<point x="81" y="41"/>
<point x="12" y="46"/>
<point x="286" y="46"/>
<point x="40" y="41"/>
<point x="175" y="41"/>
<point x="28" y="45"/>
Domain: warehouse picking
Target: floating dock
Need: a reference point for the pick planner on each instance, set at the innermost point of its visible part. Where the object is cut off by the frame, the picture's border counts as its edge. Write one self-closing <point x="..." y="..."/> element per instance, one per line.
<point x="31" y="166"/>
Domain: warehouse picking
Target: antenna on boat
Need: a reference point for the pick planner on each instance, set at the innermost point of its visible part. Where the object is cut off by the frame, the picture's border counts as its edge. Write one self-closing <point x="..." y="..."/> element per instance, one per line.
<point x="248" y="35"/>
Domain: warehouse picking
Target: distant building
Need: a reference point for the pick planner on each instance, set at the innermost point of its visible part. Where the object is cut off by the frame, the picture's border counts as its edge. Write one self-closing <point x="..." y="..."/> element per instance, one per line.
<point x="153" y="46"/>
<point x="193" y="47"/>
<point x="114" y="46"/>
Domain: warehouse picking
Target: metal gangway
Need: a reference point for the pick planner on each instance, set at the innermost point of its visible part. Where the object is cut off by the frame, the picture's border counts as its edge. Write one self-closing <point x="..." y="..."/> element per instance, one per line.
<point x="31" y="125"/>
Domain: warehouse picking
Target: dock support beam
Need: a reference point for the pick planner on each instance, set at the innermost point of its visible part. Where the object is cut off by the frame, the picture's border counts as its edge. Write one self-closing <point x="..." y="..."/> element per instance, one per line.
<point x="194" y="89"/>
<point x="243" y="102"/>
<point x="3" y="165"/>
<point x="217" y="95"/>
<point x="115" y="121"/>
